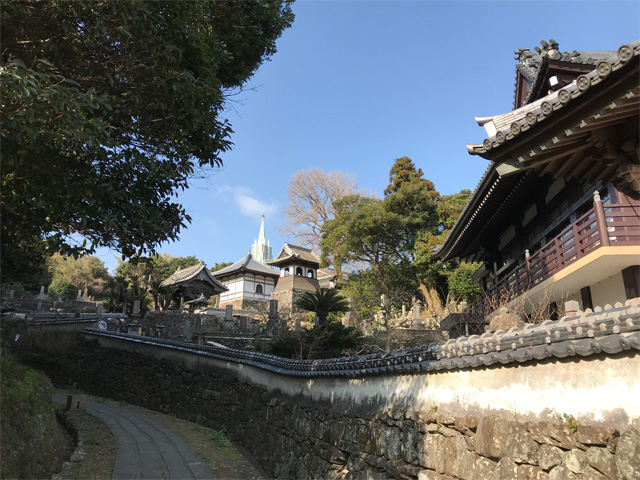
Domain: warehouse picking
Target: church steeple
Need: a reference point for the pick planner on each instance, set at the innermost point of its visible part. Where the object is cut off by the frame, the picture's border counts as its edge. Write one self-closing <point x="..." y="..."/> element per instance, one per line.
<point x="261" y="249"/>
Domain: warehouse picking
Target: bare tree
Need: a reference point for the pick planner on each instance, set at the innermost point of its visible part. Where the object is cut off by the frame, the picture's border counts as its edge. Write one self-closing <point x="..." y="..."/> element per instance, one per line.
<point x="310" y="197"/>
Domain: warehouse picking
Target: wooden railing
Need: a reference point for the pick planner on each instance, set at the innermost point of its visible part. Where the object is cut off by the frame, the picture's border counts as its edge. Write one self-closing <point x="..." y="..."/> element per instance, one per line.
<point x="603" y="225"/>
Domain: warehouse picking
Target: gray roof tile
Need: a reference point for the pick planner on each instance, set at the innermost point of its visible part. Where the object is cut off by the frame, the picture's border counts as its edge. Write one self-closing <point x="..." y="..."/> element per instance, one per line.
<point x="246" y="264"/>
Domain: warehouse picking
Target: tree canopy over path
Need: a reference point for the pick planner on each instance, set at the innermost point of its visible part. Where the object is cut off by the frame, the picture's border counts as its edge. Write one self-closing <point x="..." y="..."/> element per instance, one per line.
<point x="108" y="108"/>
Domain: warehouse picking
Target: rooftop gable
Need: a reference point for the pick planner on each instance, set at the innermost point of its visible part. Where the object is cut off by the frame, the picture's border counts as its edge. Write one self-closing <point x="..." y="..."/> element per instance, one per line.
<point x="183" y="276"/>
<point x="535" y="69"/>
<point x="292" y="253"/>
<point x="246" y="264"/>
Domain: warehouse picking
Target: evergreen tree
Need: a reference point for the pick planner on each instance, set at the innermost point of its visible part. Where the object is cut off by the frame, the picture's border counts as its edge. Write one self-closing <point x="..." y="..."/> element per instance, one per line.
<point x="108" y="109"/>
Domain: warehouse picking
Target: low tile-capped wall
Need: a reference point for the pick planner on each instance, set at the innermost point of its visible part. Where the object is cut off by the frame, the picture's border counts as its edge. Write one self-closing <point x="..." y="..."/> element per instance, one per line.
<point x="610" y="331"/>
<point x="297" y="437"/>
<point x="551" y="401"/>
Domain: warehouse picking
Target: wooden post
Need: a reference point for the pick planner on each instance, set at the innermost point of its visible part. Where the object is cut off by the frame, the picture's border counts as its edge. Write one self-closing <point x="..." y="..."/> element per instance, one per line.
<point x="576" y="241"/>
<point x="527" y="266"/>
<point x="558" y="253"/>
<point x="601" y="220"/>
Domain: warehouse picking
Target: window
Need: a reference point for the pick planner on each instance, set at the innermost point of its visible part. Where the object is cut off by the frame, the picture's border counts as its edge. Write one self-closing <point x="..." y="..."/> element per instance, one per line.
<point x="299" y="271"/>
<point x="286" y="272"/>
<point x="259" y="289"/>
<point x="310" y="273"/>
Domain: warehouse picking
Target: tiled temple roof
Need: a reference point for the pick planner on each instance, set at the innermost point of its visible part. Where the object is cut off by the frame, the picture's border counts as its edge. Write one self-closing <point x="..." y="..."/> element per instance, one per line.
<point x="513" y="135"/>
<point x="199" y="271"/>
<point x="507" y="127"/>
<point x="292" y="253"/>
<point x="246" y="264"/>
<point x="530" y="63"/>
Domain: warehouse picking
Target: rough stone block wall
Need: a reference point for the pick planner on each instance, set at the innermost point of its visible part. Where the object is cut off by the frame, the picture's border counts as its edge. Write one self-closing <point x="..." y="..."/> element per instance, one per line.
<point x="261" y="307"/>
<point x="293" y="437"/>
<point x="286" y="300"/>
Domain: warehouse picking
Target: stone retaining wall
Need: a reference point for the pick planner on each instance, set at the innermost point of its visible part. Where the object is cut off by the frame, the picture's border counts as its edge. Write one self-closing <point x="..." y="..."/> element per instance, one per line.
<point x="295" y="437"/>
<point x="212" y="324"/>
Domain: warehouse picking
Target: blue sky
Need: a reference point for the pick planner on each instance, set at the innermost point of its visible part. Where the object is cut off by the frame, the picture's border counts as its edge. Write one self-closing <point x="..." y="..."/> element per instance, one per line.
<point x="356" y="84"/>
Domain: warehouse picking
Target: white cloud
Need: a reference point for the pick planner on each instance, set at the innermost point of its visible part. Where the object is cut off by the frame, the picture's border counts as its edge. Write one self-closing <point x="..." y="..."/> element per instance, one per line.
<point x="247" y="202"/>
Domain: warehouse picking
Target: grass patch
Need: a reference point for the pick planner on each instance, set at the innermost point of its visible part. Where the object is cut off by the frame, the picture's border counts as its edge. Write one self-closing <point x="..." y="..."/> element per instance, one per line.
<point x="98" y="443"/>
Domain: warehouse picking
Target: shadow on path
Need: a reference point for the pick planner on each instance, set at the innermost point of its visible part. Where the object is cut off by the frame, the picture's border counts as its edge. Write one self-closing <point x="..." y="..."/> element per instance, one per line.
<point x="146" y="449"/>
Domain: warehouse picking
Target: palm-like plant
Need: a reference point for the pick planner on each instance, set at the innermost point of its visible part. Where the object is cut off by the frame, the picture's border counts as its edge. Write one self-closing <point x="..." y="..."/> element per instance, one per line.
<point x="322" y="303"/>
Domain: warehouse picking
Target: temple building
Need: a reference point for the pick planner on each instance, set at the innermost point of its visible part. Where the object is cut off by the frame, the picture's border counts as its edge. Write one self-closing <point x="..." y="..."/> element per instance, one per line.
<point x="193" y="283"/>
<point x="249" y="281"/>
<point x="556" y="215"/>
<point x="298" y="274"/>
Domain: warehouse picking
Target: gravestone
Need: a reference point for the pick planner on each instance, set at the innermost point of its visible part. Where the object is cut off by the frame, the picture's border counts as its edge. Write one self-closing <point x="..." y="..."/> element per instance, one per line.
<point x="11" y="293"/>
<point x="273" y="308"/>
<point x="187" y="331"/>
<point x="417" y="314"/>
<point x="41" y="296"/>
<point x="79" y="297"/>
<point x="244" y="324"/>
<point x="297" y="327"/>
<point x="124" y="308"/>
<point x="136" y="307"/>
<point x="228" y="313"/>
<point x="198" y="330"/>
<point x="99" y="310"/>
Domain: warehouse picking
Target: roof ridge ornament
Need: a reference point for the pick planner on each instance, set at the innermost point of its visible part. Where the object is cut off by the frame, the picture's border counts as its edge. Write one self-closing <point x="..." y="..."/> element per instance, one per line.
<point x="549" y="49"/>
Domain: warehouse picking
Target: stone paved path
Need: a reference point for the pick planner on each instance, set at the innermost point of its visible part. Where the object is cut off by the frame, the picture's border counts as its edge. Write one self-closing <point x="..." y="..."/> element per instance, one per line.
<point x="147" y="450"/>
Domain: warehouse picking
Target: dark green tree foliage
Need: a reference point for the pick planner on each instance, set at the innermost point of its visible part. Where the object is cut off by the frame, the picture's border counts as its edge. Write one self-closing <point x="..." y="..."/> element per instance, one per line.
<point x="450" y="207"/>
<point x="109" y="108"/>
<point x="63" y="289"/>
<point x="384" y="233"/>
<point x="322" y="303"/>
<point x="461" y="287"/>
<point x="404" y="172"/>
<point x="220" y="266"/>
<point x="87" y="274"/>
<point x="433" y="273"/>
<point x="159" y="266"/>
<point x="142" y="275"/>
<point x="328" y="341"/>
<point x="363" y="290"/>
<point x="394" y="238"/>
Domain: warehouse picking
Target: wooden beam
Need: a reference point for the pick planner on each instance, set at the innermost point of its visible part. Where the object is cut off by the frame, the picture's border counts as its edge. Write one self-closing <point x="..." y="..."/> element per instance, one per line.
<point x="543" y="160"/>
<point x="608" y="120"/>
<point x="569" y="163"/>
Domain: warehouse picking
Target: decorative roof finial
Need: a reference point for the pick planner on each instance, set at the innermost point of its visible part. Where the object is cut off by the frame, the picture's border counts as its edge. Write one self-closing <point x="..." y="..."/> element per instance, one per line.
<point x="549" y="49"/>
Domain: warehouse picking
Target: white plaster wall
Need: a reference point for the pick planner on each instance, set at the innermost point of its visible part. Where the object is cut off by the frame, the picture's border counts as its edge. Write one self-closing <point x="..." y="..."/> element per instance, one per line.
<point x="599" y="389"/>
<point x="244" y="286"/>
<point x="269" y="286"/>
<point x="235" y="289"/>
<point x="605" y="391"/>
<point x="609" y="291"/>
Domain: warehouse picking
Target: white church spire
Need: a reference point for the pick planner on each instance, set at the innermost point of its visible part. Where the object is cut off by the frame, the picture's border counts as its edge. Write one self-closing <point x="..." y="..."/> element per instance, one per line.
<point x="261" y="250"/>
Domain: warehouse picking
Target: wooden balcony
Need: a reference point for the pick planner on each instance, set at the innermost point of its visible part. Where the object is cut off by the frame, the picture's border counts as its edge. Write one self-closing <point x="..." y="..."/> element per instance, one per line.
<point x="603" y="225"/>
